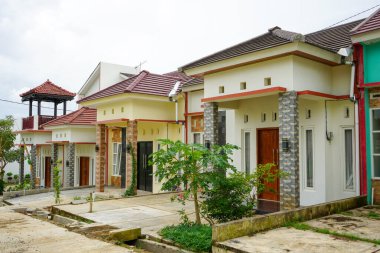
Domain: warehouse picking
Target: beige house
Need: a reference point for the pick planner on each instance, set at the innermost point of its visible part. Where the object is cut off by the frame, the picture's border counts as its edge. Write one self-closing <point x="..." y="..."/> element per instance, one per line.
<point x="284" y="99"/>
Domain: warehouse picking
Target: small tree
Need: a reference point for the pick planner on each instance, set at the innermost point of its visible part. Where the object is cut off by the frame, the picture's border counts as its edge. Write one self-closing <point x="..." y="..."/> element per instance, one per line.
<point x="57" y="182"/>
<point x="7" y="152"/>
<point x="188" y="165"/>
<point x="235" y="196"/>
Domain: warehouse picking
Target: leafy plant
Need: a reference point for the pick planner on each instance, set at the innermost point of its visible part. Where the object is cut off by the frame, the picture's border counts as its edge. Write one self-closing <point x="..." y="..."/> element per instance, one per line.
<point x="2" y="184"/>
<point x="9" y="174"/>
<point x="57" y="182"/>
<point x="192" y="237"/>
<point x="234" y="197"/>
<point x="131" y="190"/>
<point x="27" y="179"/>
<point x="15" y="177"/>
<point x="77" y="198"/>
<point x="188" y="165"/>
<point x="7" y="152"/>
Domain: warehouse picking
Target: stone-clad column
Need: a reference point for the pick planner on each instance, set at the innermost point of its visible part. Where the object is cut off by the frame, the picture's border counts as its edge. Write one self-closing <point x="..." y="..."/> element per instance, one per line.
<point x="289" y="160"/>
<point x="211" y="123"/>
<point x="33" y="157"/>
<point x="71" y="167"/>
<point x="54" y="157"/>
<point x="100" y="156"/>
<point x="131" y="140"/>
<point x="21" y="165"/>
<point x="123" y="162"/>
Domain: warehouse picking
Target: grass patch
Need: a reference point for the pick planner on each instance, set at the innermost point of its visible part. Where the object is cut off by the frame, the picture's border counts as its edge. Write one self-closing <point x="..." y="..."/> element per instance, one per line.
<point x="190" y="236"/>
<point x="303" y="226"/>
<point x="373" y="215"/>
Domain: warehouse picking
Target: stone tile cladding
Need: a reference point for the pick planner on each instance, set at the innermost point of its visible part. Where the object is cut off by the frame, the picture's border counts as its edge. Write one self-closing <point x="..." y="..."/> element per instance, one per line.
<point x="33" y="156"/>
<point x="211" y="122"/>
<point x="100" y="157"/>
<point x="54" y="156"/>
<point x="131" y="139"/>
<point x="71" y="167"/>
<point x="21" y="165"/>
<point x="289" y="160"/>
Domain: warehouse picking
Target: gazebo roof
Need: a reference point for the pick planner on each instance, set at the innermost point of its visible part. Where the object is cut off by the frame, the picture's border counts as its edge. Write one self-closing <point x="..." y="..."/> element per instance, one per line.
<point x="48" y="92"/>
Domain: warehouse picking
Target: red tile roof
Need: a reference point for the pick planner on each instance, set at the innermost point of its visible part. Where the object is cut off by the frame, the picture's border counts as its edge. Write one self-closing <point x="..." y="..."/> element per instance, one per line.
<point x="143" y="83"/>
<point x="369" y="24"/>
<point x="83" y="116"/>
<point x="48" y="88"/>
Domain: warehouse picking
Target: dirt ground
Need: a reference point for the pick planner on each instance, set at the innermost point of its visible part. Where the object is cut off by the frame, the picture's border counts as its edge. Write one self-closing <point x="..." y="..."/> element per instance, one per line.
<point x="21" y="233"/>
<point x="353" y="231"/>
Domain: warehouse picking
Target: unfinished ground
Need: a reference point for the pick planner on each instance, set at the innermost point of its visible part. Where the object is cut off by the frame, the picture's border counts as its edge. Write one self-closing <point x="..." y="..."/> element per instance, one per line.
<point x="22" y="233"/>
<point x="356" y="230"/>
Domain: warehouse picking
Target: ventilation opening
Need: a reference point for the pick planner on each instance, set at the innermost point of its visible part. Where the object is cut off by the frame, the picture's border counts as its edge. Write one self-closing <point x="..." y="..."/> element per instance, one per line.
<point x="245" y="118"/>
<point x="243" y="85"/>
<point x="221" y="89"/>
<point x="267" y="81"/>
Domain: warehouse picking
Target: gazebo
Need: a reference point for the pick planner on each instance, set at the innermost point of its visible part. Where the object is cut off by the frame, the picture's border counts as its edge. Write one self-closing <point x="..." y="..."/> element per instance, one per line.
<point x="46" y="92"/>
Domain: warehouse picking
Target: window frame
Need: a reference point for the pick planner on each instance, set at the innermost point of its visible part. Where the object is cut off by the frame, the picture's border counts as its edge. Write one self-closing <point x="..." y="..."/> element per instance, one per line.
<point x="244" y="150"/>
<point x="304" y="162"/>
<point x="116" y="164"/>
<point x="371" y="143"/>
<point x="344" y="129"/>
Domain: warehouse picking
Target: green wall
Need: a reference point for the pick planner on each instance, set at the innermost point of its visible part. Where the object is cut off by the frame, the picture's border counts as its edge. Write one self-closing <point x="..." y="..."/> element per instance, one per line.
<point x="372" y="63"/>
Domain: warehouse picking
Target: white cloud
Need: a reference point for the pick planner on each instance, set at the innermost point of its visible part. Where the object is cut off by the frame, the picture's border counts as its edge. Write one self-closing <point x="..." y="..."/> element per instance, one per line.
<point x="63" y="40"/>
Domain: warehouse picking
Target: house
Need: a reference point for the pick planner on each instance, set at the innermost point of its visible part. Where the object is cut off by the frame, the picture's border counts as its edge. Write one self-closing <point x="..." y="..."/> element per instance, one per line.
<point x="104" y="75"/>
<point x="366" y="39"/>
<point x="72" y="139"/>
<point x="284" y="98"/>
<point x="131" y="116"/>
<point x="35" y="138"/>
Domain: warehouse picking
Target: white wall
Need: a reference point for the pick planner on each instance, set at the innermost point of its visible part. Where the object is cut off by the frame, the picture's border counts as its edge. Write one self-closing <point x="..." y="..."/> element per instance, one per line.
<point x="85" y="150"/>
<point x="83" y="134"/>
<point x="194" y="101"/>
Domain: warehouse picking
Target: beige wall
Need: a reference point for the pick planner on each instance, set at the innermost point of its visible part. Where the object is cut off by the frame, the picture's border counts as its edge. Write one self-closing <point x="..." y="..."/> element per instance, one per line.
<point x="194" y="101"/>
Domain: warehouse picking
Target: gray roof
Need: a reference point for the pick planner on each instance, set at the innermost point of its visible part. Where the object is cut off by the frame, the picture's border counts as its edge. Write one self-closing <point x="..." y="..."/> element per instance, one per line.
<point x="331" y="39"/>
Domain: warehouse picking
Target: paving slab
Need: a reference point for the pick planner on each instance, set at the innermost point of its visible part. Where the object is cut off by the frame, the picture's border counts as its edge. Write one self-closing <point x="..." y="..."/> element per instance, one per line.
<point x="292" y="240"/>
<point x="359" y="226"/>
<point x="21" y="233"/>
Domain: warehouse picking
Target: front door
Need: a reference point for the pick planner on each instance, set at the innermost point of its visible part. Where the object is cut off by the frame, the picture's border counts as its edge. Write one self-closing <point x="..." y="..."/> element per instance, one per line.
<point x="84" y="170"/>
<point x="47" y="171"/>
<point x="268" y="152"/>
<point x="144" y="170"/>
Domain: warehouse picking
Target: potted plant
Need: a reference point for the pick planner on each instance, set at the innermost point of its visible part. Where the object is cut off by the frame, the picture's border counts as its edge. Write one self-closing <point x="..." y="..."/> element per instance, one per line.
<point x="9" y="175"/>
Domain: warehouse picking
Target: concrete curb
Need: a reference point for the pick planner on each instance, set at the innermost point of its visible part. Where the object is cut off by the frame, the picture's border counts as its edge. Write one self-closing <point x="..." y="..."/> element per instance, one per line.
<point x="157" y="247"/>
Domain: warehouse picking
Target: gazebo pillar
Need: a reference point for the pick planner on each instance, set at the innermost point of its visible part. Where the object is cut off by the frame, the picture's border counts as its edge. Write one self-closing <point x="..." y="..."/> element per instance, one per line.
<point x="64" y="107"/>
<point x="30" y="107"/>
<point x="39" y="108"/>
<point x="55" y="109"/>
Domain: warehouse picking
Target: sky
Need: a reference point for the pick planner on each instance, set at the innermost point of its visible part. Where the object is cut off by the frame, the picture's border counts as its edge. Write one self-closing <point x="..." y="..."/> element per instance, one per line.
<point x="64" y="40"/>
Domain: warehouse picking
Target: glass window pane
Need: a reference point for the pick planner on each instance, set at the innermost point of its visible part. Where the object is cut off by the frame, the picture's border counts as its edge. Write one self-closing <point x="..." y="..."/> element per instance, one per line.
<point x="376" y="120"/>
<point x="376" y="166"/>
<point x="349" y="159"/>
<point x="247" y="152"/>
<point x="309" y="158"/>
<point x="197" y="138"/>
<point x="376" y="143"/>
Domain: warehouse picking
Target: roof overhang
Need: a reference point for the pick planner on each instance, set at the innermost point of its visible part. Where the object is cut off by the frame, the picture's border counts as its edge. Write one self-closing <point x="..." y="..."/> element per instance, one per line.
<point x="245" y="95"/>
<point x="95" y="73"/>
<point x="314" y="95"/>
<point x="296" y="48"/>
<point x="70" y="126"/>
<point x="193" y="87"/>
<point x="367" y="37"/>
<point x="31" y="131"/>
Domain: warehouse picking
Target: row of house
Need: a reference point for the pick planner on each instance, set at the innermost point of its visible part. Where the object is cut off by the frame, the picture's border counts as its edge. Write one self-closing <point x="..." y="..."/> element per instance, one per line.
<point x="308" y="103"/>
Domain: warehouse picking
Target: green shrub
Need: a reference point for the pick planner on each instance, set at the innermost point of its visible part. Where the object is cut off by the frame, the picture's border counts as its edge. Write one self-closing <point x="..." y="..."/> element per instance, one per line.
<point x="229" y="199"/>
<point x="192" y="237"/>
<point x="9" y="174"/>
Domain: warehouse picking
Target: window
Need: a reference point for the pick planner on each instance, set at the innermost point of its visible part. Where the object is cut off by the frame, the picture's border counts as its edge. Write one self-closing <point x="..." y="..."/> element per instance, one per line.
<point x="116" y="158"/>
<point x="263" y="117"/>
<point x="308" y="114"/>
<point x="122" y="109"/>
<point x="245" y="118"/>
<point x="243" y="85"/>
<point x="113" y="110"/>
<point x="197" y="138"/>
<point x="309" y="161"/>
<point x="267" y="81"/>
<point x="376" y="142"/>
<point x="274" y="116"/>
<point x="221" y="89"/>
<point x="348" y="159"/>
<point x="104" y="112"/>
<point x="247" y="152"/>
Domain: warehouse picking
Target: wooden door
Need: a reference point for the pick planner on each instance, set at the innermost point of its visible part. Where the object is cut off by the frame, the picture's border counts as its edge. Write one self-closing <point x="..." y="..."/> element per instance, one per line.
<point x="84" y="170"/>
<point x="47" y="171"/>
<point x="268" y="152"/>
<point x="144" y="170"/>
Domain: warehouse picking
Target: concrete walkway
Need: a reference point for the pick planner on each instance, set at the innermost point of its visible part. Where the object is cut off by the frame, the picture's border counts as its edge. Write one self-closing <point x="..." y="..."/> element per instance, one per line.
<point x="151" y="212"/>
<point x="21" y="233"/>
